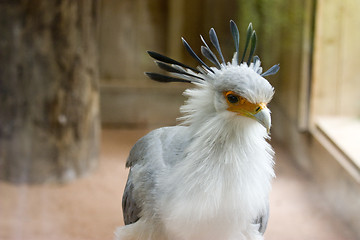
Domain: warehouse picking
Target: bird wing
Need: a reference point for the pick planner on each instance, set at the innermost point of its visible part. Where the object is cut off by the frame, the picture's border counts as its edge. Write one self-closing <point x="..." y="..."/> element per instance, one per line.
<point x="148" y="157"/>
<point x="263" y="220"/>
<point x="131" y="210"/>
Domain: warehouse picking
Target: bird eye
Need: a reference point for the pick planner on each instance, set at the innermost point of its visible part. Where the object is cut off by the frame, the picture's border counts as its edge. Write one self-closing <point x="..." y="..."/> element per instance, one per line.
<point x="232" y="98"/>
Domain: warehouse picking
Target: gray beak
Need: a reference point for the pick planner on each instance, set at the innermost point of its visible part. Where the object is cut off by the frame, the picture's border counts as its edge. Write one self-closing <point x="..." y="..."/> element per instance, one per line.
<point x="264" y="118"/>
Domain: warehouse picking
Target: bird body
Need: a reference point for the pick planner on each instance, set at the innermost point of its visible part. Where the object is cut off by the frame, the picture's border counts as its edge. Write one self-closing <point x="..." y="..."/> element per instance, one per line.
<point x="208" y="178"/>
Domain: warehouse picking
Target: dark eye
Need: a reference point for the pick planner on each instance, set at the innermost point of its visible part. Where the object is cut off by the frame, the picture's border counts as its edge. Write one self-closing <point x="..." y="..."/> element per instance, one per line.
<point x="232" y="98"/>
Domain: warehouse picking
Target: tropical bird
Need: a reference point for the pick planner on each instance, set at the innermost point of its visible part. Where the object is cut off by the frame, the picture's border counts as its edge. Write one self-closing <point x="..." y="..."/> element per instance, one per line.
<point x="209" y="177"/>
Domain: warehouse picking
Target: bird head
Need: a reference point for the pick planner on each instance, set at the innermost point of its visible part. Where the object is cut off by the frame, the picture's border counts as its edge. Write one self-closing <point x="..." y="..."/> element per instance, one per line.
<point x="237" y="87"/>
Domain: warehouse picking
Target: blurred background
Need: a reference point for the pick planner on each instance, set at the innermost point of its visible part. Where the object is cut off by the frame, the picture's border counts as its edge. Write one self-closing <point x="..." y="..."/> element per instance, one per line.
<point x="74" y="99"/>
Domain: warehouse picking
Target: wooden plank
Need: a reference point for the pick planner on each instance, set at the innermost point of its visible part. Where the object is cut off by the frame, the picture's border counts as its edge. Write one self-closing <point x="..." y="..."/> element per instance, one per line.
<point x="341" y="131"/>
<point x="327" y="45"/>
<point x="349" y="79"/>
<point x="304" y="91"/>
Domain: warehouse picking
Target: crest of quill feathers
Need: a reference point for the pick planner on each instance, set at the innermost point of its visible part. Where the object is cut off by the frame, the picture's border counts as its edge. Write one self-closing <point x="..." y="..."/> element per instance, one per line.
<point x="184" y="73"/>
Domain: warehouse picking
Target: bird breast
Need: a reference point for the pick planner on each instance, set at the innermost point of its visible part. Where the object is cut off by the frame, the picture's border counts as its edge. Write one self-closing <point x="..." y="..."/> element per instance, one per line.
<point x="216" y="187"/>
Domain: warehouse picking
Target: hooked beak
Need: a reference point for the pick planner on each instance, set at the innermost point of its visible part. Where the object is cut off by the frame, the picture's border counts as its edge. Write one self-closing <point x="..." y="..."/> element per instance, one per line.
<point x="264" y="118"/>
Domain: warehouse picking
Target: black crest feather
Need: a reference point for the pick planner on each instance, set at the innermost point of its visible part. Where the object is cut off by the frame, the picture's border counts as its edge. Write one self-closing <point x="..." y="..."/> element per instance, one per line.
<point x="236" y="36"/>
<point x="166" y="59"/>
<point x="206" y="51"/>
<point x="252" y="48"/>
<point x="169" y="68"/>
<point x="193" y="54"/>
<point x="163" y="78"/>
<point x="215" y="41"/>
<point x="271" y="71"/>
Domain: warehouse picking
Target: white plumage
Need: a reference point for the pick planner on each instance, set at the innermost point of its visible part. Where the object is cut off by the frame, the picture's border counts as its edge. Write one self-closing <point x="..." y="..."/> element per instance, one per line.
<point x="209" y="178"/>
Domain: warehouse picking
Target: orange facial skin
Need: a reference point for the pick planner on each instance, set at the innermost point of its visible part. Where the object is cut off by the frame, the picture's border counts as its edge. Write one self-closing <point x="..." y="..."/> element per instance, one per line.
<point x="241" y="105"/>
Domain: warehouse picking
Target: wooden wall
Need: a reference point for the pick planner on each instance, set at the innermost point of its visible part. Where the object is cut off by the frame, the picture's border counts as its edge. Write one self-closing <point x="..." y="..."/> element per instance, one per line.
<point x="336" y="60"/>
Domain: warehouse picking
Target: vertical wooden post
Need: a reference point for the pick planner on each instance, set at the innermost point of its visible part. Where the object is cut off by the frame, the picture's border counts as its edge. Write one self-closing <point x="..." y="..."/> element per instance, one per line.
<point x="49" y="114"/>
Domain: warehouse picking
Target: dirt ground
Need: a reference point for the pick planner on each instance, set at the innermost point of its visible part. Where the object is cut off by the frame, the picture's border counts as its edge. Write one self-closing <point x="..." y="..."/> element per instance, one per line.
<point x="90" y="208"/>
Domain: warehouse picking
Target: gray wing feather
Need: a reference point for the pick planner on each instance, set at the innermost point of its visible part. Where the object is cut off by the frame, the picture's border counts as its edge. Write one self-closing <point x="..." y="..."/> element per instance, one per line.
<point x="263" y="220"/>
<point x="130" y="209"/>
<point x="147" y="158"/>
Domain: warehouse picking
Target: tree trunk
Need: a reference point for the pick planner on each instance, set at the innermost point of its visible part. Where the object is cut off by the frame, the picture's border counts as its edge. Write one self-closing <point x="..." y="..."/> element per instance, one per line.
<point x="49" y="114"/>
